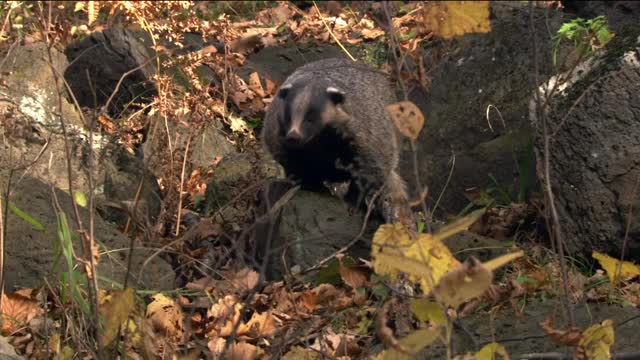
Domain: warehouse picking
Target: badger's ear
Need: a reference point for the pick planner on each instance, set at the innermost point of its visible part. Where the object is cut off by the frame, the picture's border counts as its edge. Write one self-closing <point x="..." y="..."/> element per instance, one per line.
<point x="335" y="95"/>
<point x="284" y="90"/>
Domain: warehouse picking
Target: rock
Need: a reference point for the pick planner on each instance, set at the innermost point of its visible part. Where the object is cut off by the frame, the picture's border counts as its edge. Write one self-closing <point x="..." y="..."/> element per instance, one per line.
<point x="31" y="84"/>
<point x="310" y="227"/>
<point x="33" y="95"/>
<point x="212" y="143"/>
<point x="487" y="327"/>
<point x="481" y="70"/>
<point x="279" y="62"/>
<point x="34" y="100"/>
<point x="107" y="56"/>
<point x="30" y="252"/>
<point x="619" y="14"/>
<point x="123" y="172"/>
<point x="595" y="153"/>
<point x="7" y="352"/>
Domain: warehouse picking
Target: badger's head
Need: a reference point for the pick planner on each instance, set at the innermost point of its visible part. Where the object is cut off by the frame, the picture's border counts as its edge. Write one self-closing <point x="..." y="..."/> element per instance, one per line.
<point x="308" y="110"/>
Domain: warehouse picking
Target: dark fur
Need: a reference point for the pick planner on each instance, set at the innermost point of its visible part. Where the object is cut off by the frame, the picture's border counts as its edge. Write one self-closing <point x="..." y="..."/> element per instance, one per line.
<point x="340" y="134"/>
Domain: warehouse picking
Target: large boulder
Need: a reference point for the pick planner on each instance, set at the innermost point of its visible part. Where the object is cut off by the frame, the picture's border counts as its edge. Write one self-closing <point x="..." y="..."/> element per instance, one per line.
<point x="98" y="66"/>
<point x="34" y="152"/>
<point x="30" y="254"/>
<point x="594" y="153"/>
<point x="483" y="74"/>
<point x="307" y="228"/>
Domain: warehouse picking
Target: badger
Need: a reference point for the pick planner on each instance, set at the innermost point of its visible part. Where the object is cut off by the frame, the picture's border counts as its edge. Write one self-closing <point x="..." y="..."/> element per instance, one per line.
<point x="327" y="124"/>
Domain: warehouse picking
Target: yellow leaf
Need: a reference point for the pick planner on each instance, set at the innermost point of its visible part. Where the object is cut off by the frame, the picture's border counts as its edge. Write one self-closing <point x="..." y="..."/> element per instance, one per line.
<point x="115" y="309"/>
<point x="453" y="18"/>
<point x="612" y="266"/>
<point x="425" y="260"/>
<point x="166" y="317"/>
<point x="80" y="199"/>
<point x="413" y="343"/>
<point x="407" y="117"/>
<point x="468" y="281"/>
<point x="596" y="341"/>
<point x="489" y="352"/>
<point x="425" y="310"/>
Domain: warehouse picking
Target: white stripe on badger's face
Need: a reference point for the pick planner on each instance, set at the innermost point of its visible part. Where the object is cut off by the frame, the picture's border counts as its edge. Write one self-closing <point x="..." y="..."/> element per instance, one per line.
<point x="299" y="108"/>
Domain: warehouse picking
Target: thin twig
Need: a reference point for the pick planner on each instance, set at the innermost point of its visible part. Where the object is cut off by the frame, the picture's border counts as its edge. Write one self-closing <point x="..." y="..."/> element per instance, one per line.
<point x="332" y="34"/>
<point x="557" y="231"/>
<point x="182" y="172"/>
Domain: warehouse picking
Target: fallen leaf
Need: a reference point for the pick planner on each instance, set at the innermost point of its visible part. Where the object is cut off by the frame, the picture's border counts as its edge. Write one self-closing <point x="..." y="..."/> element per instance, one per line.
<point x="243" y="280"/>
<point x="611" y="266"/>
<point x="319" y="296"/>
<point x="166" y="318"/>
<point x="216" y="346"/>
<point x="256" y="85"/>
<point x="569" y="337"/>
<point x="260" y="325"/>
<point x="489" y="352"/>
<point x="241" y="351"/>
<point x="371" y="34"/>
<point x="596" y="342"/>
<point x="354" y="276"/>
<point x="223" y="316"/>
<point x="17" y="311"/>
<point x="115" y="308"/>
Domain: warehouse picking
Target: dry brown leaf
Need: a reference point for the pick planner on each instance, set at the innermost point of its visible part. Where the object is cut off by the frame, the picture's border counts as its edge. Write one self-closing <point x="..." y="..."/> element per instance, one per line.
<point x="384" y="332"/>
<point x="166" y="318"/>
<point x="407" y="117"/>
<point x="260" y="325"/>
<point x="243" y="280"/>
<point x="18" y="310"/>
<point x="107" y="124"/>
<point x="224" y="315"/>
<point x="468" y="281"/>
<point x="355" y="277"/>
<point x="569" y="337"/>
<point x="371" y="34"/>
<point x="319" y="296"/>
<point x="256" y="85"/>
<point x="241" y="351"/>
<point x="205" y="283"/>
<point x="216" y="346"/>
